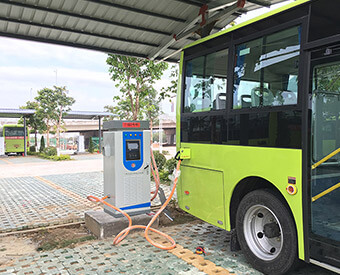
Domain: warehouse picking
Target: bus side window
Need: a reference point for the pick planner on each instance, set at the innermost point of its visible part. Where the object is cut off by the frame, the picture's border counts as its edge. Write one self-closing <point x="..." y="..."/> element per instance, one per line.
<point x="266" y="69"/>
<point x="206" y="82"/>
<point x="216" y="71"/>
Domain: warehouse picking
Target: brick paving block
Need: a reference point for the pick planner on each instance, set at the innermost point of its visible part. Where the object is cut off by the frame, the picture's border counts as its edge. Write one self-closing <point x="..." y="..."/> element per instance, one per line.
<point x="51" y="266"/>
<point x="77" y="270"/>
<point x="26" y="260"/>
<point x="180" y="252"/>
<point x="29" y="271"/>
<point x="73" y="263"/>
<point x="69" y="257"/>
<point x="27" y="265"/>
<point x="193" y="258"/>
<point x="202" y="264"/>
<point x="7" y="270"/>
<point x="46" y="259"/>
<point x="61" y="251"/>
<point x="83" y="247"/>
<point x="217" y="271"/>
<point x="193" y="271"/>
<point x="182" y="266"/>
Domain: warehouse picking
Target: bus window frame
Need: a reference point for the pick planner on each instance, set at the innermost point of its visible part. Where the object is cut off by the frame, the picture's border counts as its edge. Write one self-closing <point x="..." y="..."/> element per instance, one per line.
<point x="295" y="23"/>
<point x="224" y="46"/>
<point x="231" y="46"/>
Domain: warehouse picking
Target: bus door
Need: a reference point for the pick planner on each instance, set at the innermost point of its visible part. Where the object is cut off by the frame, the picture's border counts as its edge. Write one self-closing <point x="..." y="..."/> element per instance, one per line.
<point x="325" y="156"/>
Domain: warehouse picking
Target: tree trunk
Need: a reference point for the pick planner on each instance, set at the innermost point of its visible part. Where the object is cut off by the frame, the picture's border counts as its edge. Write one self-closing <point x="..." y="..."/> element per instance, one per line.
<point x="151" y="126"/>
<point x="35" y="139"/>
<point x="58" y="131"/>
<point x="48" y="136"/>
<point x="58" y="138"/>
<point x="48" y="133"/>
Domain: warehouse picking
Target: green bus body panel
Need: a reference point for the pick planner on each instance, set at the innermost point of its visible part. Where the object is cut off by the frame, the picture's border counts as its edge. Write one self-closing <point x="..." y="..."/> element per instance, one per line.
<point x="236" y="163"/>
<point x="14" y="145"/>
<point x="201" y="184"/>
<point x="258" y="18"/>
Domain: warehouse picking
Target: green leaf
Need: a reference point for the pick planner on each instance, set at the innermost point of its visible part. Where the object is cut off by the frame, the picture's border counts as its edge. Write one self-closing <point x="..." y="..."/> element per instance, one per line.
<point x="136" y="77"/>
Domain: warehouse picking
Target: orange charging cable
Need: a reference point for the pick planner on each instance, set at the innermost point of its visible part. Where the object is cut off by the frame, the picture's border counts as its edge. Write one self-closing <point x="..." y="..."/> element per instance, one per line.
<point x="148" y="227"/>
<point x="155" y="175"/>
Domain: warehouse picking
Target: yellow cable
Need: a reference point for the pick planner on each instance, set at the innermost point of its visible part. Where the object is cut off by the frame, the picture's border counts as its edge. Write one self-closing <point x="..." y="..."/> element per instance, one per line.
<point x="336" y="186"/>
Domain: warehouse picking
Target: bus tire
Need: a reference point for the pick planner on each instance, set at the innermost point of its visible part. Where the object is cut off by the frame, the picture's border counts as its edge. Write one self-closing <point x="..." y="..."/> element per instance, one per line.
<point x="266" y="232"/>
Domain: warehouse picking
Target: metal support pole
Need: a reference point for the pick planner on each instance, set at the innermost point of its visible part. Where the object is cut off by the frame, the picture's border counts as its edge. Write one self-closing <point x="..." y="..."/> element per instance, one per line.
<point x="25" y="135"/>
<point x="100" y="135"/>
<point x="160" y="134"/>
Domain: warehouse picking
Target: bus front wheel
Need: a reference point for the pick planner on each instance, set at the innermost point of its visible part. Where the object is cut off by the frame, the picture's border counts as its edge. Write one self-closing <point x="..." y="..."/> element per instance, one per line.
<point x="266" y="232"/>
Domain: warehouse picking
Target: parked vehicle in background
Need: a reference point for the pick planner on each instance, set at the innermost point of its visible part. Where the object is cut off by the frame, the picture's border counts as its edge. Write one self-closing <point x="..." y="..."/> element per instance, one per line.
<point x="14" y="138"/>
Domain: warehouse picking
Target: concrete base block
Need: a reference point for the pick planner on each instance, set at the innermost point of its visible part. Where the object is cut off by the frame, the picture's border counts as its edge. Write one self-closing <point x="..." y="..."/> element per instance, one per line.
<point x="103" y="225"/>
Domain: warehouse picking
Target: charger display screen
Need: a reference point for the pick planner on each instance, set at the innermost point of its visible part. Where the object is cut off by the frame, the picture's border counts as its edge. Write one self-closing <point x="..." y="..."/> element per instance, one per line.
<point x="133" y="150"/>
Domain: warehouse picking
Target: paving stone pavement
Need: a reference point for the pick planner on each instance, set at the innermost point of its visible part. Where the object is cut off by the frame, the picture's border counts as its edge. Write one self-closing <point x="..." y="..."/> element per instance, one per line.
<point x="83" y="184"/>
<point x="30" y="202"/>
<point x="136" y="256"/>
<point x="2" y="161"/>
<point x="87" y="156"/>
<point x="92" y="183"/>
<point x="18" y="160"/>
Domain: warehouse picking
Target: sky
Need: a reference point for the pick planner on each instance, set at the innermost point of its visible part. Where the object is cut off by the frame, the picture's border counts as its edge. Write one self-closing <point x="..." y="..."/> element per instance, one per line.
<point x="26" y="67"/>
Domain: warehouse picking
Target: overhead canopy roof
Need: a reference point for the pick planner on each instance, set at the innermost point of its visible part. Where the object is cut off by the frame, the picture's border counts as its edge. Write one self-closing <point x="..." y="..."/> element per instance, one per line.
<point x="143" y="28"/>
<point x="18" y="113"/>
<point x="86" y="115"/>
<point x="15" y="113"/>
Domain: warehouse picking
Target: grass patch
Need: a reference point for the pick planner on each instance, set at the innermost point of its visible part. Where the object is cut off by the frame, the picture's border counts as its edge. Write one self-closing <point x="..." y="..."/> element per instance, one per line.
<point x="64" y="243"/>
<point x="55" y="158"/>
<point x="32" y="153"/>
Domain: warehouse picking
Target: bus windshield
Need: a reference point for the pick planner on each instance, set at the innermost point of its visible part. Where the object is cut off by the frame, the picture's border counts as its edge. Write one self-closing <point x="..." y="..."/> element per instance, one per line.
<point x="14" y="132"/>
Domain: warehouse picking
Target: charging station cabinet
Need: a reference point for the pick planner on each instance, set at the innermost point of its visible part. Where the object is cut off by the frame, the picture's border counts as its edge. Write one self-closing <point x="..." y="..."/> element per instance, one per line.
<point x="126" y="151"/>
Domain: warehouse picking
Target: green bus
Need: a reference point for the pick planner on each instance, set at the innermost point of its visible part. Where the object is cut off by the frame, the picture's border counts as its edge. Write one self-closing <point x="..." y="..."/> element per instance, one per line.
<point x="14" y="138"/>
<point x="258" y="128"/>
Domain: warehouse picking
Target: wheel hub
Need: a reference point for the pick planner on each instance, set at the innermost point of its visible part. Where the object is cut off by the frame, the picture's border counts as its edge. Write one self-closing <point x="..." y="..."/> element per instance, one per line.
<point x="263" y="232"/>
<point x="271" y="230"/>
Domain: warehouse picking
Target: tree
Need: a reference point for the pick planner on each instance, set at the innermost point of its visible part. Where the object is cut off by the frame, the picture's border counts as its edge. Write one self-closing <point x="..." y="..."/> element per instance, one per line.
<point x="53" y="105"/>
<point x="42" y="144"/>
<point x="35" y="121"/>
<point x="135" y="77"/>
<point x="152" y="108"/>
<point x="170" y="91"/>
